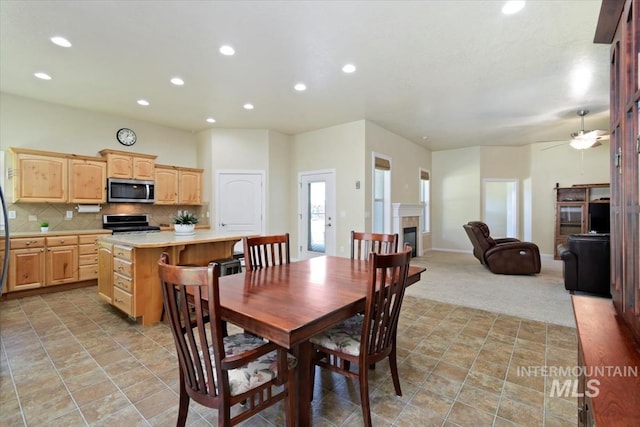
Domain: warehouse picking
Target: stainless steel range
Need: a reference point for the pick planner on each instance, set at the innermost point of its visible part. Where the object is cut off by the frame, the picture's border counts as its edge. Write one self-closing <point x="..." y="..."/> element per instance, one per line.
<point x="128" y="223"/>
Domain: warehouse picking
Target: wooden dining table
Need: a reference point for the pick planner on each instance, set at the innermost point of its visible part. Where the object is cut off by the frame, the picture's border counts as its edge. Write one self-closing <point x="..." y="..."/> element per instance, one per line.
<point x="290" y="303"/>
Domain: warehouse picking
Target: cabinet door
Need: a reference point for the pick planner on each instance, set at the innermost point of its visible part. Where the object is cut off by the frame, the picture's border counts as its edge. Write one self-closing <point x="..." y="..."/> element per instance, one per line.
<point x="62" y="264"/>
<point x="105" y="271"/>
<point x="190" y="191"/>
<point x="87" y="181"/>
<point x="143" y="168"/>
<point x="119" y="166"/>
<point x="40" y="178"/>
<point x="166" y="188"/>
<point x="26" y="269"/>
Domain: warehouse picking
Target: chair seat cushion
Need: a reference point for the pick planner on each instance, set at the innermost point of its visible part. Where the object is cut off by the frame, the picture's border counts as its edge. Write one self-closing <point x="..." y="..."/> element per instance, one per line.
<point x="257" y="372"/>
<point x="344" y="337"/>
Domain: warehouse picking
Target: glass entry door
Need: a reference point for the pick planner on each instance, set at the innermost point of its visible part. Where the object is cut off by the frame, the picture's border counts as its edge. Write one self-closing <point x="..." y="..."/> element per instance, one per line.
<point x="317" y="214"/>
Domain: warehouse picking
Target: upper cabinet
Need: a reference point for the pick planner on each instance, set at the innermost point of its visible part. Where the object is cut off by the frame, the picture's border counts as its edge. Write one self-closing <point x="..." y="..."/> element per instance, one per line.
<point x="122" y="164"/>
<point x="178" y="186"/>
<point x="47" y="177"/>
<point x="190" y="186"/>
<point x="87" y="180"/>
<point x="39" y="176"/>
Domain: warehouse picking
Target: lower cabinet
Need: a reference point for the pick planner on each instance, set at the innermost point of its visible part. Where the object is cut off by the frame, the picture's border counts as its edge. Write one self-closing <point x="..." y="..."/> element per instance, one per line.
<point x="26" y="264"/>
<point x="123" y="279"/>
<point x="105" y="271"/>
<point x="61" y="260"/>
<point x="36" y="262"/>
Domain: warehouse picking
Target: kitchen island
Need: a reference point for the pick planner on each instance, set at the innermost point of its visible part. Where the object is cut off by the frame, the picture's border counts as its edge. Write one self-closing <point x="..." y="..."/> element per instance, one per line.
<point x="128" y="265"/>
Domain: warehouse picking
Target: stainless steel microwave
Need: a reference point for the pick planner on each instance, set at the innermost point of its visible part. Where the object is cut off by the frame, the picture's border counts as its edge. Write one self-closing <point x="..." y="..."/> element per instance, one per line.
<point x="130" y="191"/>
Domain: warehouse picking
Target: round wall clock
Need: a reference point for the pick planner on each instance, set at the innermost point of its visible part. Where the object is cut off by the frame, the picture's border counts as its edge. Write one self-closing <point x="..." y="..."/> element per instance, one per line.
<point x="126" y="136"/>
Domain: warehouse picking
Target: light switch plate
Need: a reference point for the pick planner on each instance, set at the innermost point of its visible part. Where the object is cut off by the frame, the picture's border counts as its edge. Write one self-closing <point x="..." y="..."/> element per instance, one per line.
<point x="69" y="214"/>
<point x="33" y="217"/>
<point x="12" y="214"/>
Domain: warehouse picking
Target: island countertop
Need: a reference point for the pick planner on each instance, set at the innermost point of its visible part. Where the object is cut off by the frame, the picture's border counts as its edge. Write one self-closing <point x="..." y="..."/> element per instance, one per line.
<point x="170" y="238"/>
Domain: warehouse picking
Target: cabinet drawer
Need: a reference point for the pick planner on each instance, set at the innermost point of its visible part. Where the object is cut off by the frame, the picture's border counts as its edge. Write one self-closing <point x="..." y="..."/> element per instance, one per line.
<point x="62" y="240"/>
<point x="123" y="282"/>
<point x="91" y="248"/>
<point x="27" y="243"/>
<point x="123" y="252"/>
<point x="88" y="272"/>
<point x="122" y="266"/>
<point x="88" y="259"/>
<point x="87" y="239"/>
<point x="122" y="300"/>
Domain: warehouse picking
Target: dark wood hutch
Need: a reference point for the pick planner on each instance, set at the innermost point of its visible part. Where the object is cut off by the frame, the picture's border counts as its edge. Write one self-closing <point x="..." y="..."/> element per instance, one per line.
<point x="609" y="330"/>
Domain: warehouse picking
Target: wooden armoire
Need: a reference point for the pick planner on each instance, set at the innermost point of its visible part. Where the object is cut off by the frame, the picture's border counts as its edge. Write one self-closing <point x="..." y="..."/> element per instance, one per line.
<point x="609" y="330"/>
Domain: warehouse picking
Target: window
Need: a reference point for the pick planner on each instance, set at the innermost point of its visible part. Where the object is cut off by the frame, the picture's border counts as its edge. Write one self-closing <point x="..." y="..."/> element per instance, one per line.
<point x="381" y="194"/>
<point x="425" y="195"/>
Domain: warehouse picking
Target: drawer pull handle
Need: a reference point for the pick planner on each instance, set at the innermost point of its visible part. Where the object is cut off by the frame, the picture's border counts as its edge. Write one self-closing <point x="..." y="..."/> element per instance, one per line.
<point x="119" y="300"/>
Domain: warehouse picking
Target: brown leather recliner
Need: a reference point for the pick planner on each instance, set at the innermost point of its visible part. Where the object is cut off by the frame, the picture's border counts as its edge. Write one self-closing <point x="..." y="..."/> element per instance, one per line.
<point x="503" y="255"/>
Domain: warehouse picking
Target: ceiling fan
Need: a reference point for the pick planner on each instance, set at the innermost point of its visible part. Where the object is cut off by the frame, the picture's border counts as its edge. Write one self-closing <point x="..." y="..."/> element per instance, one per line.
<point x="583" y="139"/>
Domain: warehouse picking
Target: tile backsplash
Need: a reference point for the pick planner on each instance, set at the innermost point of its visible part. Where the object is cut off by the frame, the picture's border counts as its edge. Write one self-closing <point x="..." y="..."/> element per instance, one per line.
<point x="30" y="215"/>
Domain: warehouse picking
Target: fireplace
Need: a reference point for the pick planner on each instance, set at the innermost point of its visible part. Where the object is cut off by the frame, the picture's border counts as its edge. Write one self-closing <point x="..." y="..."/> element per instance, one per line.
<point x="407" y="222"/>
<point x="409" y="236"/>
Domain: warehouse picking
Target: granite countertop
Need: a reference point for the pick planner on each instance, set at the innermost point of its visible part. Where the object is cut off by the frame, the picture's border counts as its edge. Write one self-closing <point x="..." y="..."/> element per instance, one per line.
<point x="52" y="233"/>
<point x="170" y="238"/>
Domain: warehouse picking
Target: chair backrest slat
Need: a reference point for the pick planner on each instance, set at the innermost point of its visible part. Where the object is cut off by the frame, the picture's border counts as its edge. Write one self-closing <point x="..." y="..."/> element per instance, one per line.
<point x="266" y="251"/>
<point x="362" y="244"/>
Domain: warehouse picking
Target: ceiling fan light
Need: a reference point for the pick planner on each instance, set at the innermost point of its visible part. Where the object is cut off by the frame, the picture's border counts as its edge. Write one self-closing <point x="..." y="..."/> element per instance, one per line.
<point x="582" y="143"/>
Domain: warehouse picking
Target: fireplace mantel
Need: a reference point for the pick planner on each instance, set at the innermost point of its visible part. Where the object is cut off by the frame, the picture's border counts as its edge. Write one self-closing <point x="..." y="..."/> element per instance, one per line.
<point x="403" y="212"/>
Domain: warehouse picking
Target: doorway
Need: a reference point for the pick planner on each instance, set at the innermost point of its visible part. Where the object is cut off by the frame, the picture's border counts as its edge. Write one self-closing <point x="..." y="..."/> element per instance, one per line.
<point x="240" y="202"/>
<point x="500" y="206"/>
<point x="316" y="213"/>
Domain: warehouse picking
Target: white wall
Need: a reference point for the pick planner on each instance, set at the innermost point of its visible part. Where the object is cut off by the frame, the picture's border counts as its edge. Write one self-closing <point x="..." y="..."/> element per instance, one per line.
<point x="27" y="123"/>
<point x="457" y="176"/>
<point x="341" y="148"/>
<point x="456" y="189"/>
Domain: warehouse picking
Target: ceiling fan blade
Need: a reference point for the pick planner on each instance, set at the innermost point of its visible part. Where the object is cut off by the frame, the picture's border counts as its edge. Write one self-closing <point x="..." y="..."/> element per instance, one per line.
<point x="554" y="146"/>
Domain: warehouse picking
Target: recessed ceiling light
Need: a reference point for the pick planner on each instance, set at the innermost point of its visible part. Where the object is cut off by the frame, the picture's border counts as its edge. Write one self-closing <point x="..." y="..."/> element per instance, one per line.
<point x="143" y="102"/>
<point x="349" y="68"/>
<point x="300" y="87"/>
<point x="513" y="6"/>
<point x="248" y="106"/>
<point x="177" y="81"/>
<point x="42" y="76"/>
<point x="211" y="120"/>
<point x="227" y="50"/>
<point x="60" y="41"/>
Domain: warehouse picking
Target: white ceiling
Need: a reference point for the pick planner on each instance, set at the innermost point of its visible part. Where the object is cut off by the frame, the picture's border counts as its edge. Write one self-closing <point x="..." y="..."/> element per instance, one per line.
<point x="459" y="72"/>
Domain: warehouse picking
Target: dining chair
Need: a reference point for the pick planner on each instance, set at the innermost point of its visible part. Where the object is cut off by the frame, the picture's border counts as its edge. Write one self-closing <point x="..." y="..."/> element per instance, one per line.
<point x="266" y="251"/>
<point x="364" y="243"/>
<point x="220" y="371"/>
<point x="365" y="340"/>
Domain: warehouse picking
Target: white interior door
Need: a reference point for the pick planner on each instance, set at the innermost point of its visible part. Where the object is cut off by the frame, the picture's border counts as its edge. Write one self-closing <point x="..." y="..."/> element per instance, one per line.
<point x="317" y="214"/>
<point x="240" y="202"/>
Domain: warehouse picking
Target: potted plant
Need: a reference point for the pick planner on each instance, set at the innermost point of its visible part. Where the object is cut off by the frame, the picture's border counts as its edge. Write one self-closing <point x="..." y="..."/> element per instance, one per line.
<point x="185" y="223"/>
<point x="44" y="226"/>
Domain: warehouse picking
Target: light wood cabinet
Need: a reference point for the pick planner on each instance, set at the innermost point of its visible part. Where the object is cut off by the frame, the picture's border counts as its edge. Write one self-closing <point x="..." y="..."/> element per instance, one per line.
<point x="87" y="181"/>
<point x="105" y="271"/>
<point x="123" y="279"/>
<point x="581" y="209"/>
<point x="26" y="264"/>
<point x="87" y="257"/>
<point x="166" y="185"/>
<point x="122" y="164"/>
<point x="178" y="186"/>
<point x="61" y="260"/>
<point x="48" y="177"/>
<point x="39" y="177"/>
<point x="190" y="186"/>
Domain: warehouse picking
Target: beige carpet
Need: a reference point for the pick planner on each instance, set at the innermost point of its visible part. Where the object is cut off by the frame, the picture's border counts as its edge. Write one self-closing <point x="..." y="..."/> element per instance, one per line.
<point x="458" y="278"/>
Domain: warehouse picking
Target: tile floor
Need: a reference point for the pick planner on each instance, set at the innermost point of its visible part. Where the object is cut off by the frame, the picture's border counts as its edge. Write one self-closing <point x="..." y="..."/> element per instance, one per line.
<point x="68" y="359"/>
